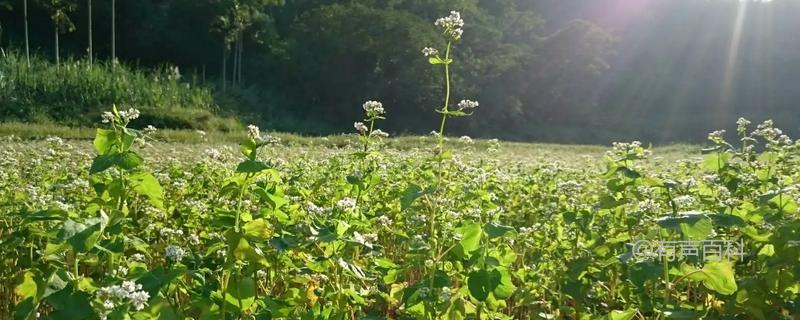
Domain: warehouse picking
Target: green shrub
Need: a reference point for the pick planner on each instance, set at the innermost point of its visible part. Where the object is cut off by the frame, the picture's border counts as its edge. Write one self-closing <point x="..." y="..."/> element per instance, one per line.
<point x="76" y="92"/>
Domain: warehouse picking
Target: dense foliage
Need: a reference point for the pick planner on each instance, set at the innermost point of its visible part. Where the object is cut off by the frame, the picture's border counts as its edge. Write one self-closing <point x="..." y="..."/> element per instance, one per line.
<point x="76" y="92"/>
<point x="281" y="232"/>
<point x="569" y="71"/>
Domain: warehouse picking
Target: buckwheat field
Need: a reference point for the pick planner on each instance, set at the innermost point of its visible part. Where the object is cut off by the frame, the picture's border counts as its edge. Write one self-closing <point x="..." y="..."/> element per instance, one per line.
<point x="365" y="226"/>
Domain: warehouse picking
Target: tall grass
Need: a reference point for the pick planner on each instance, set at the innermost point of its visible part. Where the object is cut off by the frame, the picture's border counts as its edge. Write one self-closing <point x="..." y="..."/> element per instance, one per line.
<point x="76" y="92"/>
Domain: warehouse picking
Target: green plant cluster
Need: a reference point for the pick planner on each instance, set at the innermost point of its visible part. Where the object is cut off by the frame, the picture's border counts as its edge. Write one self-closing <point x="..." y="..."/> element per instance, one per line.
<point x="76" y="92"/>
<point x="254" y="233"/>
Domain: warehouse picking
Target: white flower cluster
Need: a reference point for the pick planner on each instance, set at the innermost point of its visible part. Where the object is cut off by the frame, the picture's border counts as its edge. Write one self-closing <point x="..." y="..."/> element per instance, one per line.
<point x="130" y="114"/>
<point x="270" y="139"/>
<point x="173" y="73"/>
<point x="494" y="146"/>
<point x="169" y="232"/>
<point x="150" y="129"/>
<point x="253" y="132"/>
<point x="373" y="109"/>
<point x="378" y="133"/>
<point x="629" y="150"/>
<point x="346" y="204"/>
<point x="314" y="209"/>
<point x="452" y="25"/>
<point x="741" y="125"/>
<point x="214" y="154"/>
<point x="127" y="292"/>
<point x="649" y="206"/>
<point x="684" y="202"/>
<point x="717" y="137"/>
<point x="465" y="139"/>
<point x="385" y="221"/>
<point x="108" y="117"/>
<point x="366" y="240"/>
<point x="360" y="127"/>
<point x="467" y="105"/>
<point x="174" y="253"/>
<point x="430" y="52"/>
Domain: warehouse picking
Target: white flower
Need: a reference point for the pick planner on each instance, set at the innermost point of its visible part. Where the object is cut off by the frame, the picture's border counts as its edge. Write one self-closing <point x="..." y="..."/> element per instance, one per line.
<point x="467" y="105"/>
<point x="378" y="133"/>
<point x="129" y="115"/>
<point x="270" y="139"/>
<point x="447" y="293"/>
<point x="314" y="209"/>
<point x="452" y="25"/>
<point x="717" y="136"/>
<point x="684" y="202"/>
<point x="253" y="132"/>
<point x="139" y="299"/>
<point x="138" y="257"/>
<point x="346" y="204"/>
<point x="365" y="239"/>
<point x="194" y="239"/>
<point x="261" y="274"/>
<point x="121" y="271"/>
<point x="150" y="129"/>
<point x="373" y="108"/>
<point x="742" y="124"/>
<point x="128" y="290"/>
<point x="108" y="117"/>
<point x="384" y="220"/>
<point x="465" y="139"/>
<point x="430" y="52"/>
<point x="360" y="127"/>
<point x="174" y="253"/>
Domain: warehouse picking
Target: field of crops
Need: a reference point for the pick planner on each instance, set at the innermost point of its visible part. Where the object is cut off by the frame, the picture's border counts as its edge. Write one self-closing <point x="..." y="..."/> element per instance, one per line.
<point x="364" y="226"/>
<point x="128" y="227"/>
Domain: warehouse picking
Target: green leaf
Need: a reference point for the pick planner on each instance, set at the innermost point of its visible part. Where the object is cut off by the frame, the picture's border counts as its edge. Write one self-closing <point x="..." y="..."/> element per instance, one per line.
<point x="494" y="230"/>
<point x="412" y="193"/>
<point x="104" y="141"/>
<point x="435" y="60"/>
<point x="129" y="160"/>
<point x="257" y="230"/>
<point x="86" y="239"/>
<point x="715" y="275"/>
<point x="693" y="225"/>
<point x="716" y="161"/>
<point x="251" y="166"/>
<point x="146" y="184"/>
<point x="69" y="304"/>
<point x="470" y="238"/>
<point x="28" y="292"/>
<point x="241" y="294"/>
<point x="480" y="284"/>
<point x="505" y="288"/>
<point x="622" y="315"/>
<point x="483" y="282"/>
<point x="249" y="148"/>
<point x="102" y="163"/>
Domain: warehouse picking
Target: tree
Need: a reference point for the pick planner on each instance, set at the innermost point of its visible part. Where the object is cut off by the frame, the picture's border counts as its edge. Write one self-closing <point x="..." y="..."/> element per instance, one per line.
<point x="3" y="5"/>
<point x="89" y="28"/>
<point x="27" y="44"/>
<point x="113" y="31"/>
<point x="237" y="17"/>
<point x="59" y="10"/>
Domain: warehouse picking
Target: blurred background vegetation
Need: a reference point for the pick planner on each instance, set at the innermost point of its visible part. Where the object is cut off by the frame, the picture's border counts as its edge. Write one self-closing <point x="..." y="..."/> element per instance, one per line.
<point x="570" y="71"/>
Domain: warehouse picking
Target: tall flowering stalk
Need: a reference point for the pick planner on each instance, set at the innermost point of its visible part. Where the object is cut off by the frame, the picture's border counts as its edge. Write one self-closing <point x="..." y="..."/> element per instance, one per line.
<point x="451" y="29"/>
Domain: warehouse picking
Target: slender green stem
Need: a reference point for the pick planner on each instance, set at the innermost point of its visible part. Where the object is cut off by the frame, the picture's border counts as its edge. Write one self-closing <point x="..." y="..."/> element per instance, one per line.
<point x="446" y="95"/>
